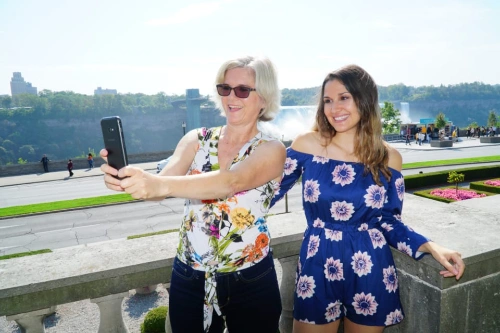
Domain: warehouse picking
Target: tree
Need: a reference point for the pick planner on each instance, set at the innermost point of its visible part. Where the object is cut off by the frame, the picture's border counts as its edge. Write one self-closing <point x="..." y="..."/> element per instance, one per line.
<point x="391" y="120"/>
<point x="440" y="120"/>
<point x="492" y="118"/>
<point x="6" y="102"/>
<point x="27" y="153"/>
<point x="455" y="178"/>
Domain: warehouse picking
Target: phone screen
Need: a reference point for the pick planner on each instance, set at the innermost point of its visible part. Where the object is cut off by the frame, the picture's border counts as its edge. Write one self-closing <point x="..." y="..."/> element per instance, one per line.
<point x="114" y="141"/>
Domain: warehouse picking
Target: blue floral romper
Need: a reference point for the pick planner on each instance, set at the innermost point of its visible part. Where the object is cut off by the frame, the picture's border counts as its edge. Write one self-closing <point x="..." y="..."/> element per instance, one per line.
<point x="345" y="264"/>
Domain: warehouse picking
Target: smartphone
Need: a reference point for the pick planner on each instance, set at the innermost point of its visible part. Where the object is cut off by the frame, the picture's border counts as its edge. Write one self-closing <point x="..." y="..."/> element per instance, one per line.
<point x="114" y="141"/>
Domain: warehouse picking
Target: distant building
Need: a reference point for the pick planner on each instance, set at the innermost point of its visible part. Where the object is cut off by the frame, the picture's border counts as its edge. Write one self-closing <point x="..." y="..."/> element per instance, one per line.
<point x="19" y="86"/>
<point x="100" y="91"/>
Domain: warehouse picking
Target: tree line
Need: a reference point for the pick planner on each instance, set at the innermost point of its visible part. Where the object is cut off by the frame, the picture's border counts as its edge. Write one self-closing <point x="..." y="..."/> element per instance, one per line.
<point x="30" y="125"/>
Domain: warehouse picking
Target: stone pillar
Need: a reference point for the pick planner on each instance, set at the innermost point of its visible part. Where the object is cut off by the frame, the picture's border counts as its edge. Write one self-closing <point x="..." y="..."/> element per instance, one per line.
<point x="110" y="310"/>
<point x="31" y="322"/>
<point x="287" y="289"/>
<point x="168" y="328"/>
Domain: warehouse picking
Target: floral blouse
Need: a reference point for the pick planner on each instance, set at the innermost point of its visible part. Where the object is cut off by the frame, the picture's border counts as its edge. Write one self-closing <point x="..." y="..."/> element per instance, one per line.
<point x="224" y="235"/>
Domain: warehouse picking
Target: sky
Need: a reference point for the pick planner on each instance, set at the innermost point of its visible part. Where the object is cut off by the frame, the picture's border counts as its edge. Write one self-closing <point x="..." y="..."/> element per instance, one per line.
<point x="168" y="46"/>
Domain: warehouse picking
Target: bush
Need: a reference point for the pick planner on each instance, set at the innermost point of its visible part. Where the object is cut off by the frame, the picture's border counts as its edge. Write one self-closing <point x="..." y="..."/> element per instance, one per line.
<point x="154" y="322"/>
<point x="483" y="187"/>
<point x="439" y="178"/>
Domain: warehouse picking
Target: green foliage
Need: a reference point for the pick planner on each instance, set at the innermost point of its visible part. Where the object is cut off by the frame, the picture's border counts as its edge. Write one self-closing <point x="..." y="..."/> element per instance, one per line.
<point x="65" y="205"/>
<point x="481" y="186"/>
<point x="492" y="118"/>
<point x="305" y="96"/>
<point x="391" y="120"/>
<point x="64" y="124"/>
<point x="24" y="254"/>
<point x="27" y="153"/>
<point x="455" y="178"/>
<point x="162" y="232"/>
<point x="440" y="120"/>
<point x="441" y="177"/>
<point x="154" y="322"/>
<point x="21" y="161"/>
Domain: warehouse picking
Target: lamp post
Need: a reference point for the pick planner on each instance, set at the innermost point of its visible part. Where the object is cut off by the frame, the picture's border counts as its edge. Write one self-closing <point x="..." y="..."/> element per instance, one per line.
<point x="184" y="128"/>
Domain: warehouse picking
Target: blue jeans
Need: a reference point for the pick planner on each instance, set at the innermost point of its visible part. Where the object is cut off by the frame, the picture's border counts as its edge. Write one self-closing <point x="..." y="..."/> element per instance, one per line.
<point x="249" y="299"/>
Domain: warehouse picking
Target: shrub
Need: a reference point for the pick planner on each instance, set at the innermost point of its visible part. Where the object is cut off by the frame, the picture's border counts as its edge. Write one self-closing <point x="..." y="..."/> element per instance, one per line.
<point x="454" y="177"/>
<point x="439" y="178"/>
<point x="480" y="185"/>
<point x="154" y="322"/>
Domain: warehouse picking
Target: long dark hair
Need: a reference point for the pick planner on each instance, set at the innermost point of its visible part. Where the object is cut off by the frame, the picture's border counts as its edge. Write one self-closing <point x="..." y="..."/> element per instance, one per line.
<point x="369" y="147"/>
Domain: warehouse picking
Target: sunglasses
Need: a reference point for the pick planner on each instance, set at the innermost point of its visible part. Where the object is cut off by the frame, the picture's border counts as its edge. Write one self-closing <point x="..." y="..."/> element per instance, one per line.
<point x="239" y="91"/>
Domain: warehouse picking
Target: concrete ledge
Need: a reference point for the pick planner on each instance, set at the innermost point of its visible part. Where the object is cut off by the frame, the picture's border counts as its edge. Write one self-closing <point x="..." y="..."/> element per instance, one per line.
<point x="442" y="143"/>
<point x="431" y="303"/>
<point x="489" y="139"/>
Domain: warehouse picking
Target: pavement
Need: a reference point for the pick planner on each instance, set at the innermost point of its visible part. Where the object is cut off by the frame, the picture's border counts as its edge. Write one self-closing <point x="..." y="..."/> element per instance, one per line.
<point x="151" y="166"/>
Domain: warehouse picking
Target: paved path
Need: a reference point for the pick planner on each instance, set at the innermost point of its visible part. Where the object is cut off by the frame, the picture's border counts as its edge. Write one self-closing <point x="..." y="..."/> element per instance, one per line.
<point x="151" y="166"/>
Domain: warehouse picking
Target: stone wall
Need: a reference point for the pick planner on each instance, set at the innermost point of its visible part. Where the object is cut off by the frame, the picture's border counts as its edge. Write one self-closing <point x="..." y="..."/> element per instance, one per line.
<point x="78" y="163"/>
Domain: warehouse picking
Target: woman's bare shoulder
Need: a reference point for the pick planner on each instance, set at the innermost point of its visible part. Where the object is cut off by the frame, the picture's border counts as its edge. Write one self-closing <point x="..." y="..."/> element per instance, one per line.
<point x="307" y="142"/>
<point x="395" y="158"/>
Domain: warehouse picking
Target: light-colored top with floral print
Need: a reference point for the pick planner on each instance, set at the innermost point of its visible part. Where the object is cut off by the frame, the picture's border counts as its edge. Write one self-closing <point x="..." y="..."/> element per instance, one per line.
<point x="224" y="235"/>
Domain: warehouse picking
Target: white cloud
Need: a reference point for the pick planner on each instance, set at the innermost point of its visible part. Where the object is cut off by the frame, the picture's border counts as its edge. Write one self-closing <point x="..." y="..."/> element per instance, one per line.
<point x="188" y="13"/>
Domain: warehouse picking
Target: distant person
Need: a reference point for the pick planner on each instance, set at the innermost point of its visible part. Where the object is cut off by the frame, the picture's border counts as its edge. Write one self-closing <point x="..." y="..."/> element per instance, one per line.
<point x="493" y="130"/>
<point x="90" y="159"/>
<point x="429" y="134"/>
<point x="70" y="168"/>
<point x="467" y="133"/>
<point x="408" y="135"/>
<point x="45" y="161"/>
<point x="421" y="137"/>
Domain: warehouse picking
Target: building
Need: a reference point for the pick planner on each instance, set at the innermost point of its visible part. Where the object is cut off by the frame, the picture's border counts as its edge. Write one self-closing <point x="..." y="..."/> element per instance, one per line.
<point x="19" y="86"/>
<point x="100" y="91"/>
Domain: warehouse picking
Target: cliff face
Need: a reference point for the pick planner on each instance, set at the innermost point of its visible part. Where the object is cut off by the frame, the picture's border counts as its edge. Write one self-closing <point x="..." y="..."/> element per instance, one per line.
<point x="143" y="132"/>
<point x="30" y="137"/>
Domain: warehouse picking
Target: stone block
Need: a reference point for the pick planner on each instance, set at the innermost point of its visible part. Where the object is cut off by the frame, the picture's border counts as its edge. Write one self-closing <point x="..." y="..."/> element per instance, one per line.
<point x="489" y="139"/>
<point x="442" y="143"/>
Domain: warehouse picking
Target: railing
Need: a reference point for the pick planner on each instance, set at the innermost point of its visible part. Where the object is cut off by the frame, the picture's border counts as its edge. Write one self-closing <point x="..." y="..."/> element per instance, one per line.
<point x="104" y="273"/>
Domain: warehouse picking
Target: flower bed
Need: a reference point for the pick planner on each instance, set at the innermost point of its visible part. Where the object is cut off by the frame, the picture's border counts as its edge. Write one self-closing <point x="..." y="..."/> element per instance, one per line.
<point x="448" y="194"/>
<point x="495" y="182"/>
<point x="453" y="194"/>
<point x="490" y="185"/>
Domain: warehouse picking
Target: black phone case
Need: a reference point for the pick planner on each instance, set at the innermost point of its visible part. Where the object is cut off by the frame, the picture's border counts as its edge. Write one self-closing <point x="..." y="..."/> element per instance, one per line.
<point x="114" y="141"/>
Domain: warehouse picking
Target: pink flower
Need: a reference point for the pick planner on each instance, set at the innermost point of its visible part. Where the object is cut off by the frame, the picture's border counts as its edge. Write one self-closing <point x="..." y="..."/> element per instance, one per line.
<point x="495" y="182"/>
<point x="459" y="195"/>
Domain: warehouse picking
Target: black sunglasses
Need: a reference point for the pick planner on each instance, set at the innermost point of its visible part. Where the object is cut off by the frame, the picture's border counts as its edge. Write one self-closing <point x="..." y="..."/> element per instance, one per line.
<point x="239" y="91"/>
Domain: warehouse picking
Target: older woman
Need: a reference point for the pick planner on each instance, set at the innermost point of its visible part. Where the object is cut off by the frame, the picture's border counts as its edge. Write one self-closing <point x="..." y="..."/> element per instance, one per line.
<point x="223" y="274"/>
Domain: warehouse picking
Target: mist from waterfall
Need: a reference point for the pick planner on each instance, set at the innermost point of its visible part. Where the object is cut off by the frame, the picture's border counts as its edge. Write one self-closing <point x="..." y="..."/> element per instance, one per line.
<point x="290" y="121"/>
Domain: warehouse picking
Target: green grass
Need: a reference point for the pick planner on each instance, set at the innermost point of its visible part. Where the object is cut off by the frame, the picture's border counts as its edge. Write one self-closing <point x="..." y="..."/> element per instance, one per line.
<point x="117" y="198"/>
<point x="24" y="254"/>
<point x="481" y="159"/>
<point x="65" y="205"/>
<point x="153" y="233"/>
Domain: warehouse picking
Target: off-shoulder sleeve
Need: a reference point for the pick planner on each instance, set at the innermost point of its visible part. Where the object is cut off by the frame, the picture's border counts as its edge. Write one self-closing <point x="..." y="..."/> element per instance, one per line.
<point x="399" y="235"/>
<point x="291" y="173"/>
